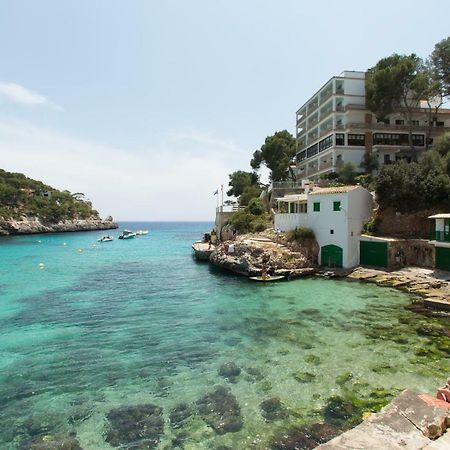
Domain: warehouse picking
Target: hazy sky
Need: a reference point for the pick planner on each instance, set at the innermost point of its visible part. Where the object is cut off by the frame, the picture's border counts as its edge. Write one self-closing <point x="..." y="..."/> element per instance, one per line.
<point x="146" y="106"/>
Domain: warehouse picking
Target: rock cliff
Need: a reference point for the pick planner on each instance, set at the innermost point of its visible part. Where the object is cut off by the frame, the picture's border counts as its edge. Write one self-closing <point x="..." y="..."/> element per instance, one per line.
<point x="248" y="254"/>
<point x="32" y="225"/>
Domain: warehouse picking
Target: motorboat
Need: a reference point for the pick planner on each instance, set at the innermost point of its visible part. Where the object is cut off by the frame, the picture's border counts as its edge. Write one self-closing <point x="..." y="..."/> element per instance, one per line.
<point x="105" y="239"/>
<point x="141" y="232"/>
<point x="127" y="234"/>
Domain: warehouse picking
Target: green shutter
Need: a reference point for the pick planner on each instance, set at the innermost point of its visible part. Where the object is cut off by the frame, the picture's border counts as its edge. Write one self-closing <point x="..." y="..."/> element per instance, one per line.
<point x="316" y="206"/>
<point x="443" y="258"/>
<point x="336" y="206"/>
<point x="373" y="253"/>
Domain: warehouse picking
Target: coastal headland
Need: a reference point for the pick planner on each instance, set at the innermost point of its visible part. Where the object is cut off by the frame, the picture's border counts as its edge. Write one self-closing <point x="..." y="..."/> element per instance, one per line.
<point x="33" y="225"/>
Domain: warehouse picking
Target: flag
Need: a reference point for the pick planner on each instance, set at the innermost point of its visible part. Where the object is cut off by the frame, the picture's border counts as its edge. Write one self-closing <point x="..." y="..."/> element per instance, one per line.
<point x="217" y="191"/>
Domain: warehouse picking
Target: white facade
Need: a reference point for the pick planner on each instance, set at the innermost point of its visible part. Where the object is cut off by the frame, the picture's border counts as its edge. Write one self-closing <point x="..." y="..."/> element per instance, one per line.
<point x="336" y="215"/>
<point x="334" y="127"/>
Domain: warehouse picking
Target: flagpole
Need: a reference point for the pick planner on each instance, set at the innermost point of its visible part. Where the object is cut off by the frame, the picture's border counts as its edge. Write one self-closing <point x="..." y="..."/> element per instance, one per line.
<point x="221" y="188"/>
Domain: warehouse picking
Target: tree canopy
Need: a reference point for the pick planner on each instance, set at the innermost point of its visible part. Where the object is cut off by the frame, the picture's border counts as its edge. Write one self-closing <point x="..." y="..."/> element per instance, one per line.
<point x="22" y="196"/>
<point x="440" y="63"/>
<point x="276" y="153"/>
<point x="239" y="180"/>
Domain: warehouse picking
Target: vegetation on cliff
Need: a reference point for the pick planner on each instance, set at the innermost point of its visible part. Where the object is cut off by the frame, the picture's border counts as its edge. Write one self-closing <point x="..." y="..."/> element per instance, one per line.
<point x="21" y="196"/>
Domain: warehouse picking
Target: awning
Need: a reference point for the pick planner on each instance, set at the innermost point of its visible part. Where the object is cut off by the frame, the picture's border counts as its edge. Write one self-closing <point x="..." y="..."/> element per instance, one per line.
<point x="293" y="198"/>
<point x="440" y="216"/>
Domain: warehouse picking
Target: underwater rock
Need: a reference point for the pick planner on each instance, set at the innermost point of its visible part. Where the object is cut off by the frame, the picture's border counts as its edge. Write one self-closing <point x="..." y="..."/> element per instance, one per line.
<point x="343" y="378"/>
<point x="312" y="359"/>
<point x="179" y="439"/>
<point x="141" y="424"/>
<point x="305" y="437"/>
<point x="230" y="371"/>
<point x="340" y="411"/>
<point x="272" y="409"/>
<point x="221" y="411"/>
<point x="179" y="416"/>
<point x="303" y="377"/>
<point x="55" y="442"/>
<point x="255" y="373"/>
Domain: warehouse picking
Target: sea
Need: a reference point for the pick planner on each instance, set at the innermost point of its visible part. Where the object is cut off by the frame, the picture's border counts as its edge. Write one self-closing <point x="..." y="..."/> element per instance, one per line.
<point x="134" y="344"/>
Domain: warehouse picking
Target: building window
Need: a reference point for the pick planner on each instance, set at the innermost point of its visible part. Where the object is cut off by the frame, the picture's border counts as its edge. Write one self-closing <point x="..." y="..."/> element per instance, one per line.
<point x="301" y="156"/>
<point x="399" y="122"/>
<point x="311" y="151"/>
<point x="415" y="123"/>
<point x="325" y="143"/>
<point x="331" y="231"/>
<point x="439" y="124"/>
<point x="387" y="159"/>
<point x="356" y="140"/>
<point x="336" y="206"/>
<point x="397" y="139"/>
<point x="316" y="206"/>
<point x="418" y="140"/>
<point x="340" y="139"/>
<point x="385" y="121"/>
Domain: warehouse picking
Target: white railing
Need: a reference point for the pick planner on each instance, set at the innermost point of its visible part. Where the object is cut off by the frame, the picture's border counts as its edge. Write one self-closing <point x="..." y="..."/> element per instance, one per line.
<point x="229" y="208"/>
<point x="288" y="222"/>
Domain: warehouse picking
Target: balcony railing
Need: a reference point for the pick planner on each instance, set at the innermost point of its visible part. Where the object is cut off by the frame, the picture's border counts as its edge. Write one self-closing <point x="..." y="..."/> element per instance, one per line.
<point x="286" y="184"/>
<point x="440" y="236"/>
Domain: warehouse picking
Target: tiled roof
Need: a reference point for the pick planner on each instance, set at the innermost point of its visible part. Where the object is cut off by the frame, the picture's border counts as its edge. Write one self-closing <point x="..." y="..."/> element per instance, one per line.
<point x="333" y="190"/>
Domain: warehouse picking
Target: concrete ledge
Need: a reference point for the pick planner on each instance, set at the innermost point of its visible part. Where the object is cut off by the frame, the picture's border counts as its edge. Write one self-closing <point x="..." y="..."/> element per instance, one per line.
<point x="409" y="422"/>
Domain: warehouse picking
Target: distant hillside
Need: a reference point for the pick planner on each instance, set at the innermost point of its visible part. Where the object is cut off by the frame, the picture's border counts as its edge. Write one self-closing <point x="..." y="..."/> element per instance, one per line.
<point x="22" y="196"/>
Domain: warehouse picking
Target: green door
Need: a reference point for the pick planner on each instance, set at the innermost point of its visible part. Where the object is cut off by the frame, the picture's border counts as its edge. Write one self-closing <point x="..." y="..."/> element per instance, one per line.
<point x="443" y="258"/>
<point x="331" y="256"/>
<point x="373" y="253"/>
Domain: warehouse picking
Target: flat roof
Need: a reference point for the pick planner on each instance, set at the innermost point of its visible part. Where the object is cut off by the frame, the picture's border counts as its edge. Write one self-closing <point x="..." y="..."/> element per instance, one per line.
<point x="333" y="190"/>
<point x="293" y="198"/>
<point x="440" y="216"/>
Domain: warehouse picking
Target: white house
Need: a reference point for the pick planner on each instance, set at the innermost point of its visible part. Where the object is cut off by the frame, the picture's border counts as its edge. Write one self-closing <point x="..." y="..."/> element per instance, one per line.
<point x="440" y="237"/>
<point x="335" y="126"/>
<point x="335" y="214"/>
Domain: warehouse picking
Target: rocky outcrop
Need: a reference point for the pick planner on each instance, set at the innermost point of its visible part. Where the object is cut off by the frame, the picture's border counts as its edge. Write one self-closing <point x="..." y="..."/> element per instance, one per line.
<point x="33" y="225"/>
<point x="248" y="254"/>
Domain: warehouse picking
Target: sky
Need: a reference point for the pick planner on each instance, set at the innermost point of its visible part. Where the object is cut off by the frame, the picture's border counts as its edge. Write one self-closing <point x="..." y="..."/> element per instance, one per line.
<point x="146" y="106"/>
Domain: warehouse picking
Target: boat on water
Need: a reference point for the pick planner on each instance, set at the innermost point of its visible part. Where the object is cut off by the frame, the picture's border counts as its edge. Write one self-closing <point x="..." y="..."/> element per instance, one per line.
<point x="105" y="239"/>
<point x="127" y="234"/>
<point x="141" y="232"/>
<point x="268" y="278"/>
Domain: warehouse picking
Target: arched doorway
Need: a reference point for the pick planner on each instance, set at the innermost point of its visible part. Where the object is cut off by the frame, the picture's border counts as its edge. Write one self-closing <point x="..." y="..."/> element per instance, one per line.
<point x="331" y="256"/>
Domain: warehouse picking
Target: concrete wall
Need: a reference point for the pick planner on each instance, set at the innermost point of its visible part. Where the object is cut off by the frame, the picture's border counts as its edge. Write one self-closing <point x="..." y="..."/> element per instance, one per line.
<point x="287" y="222"/>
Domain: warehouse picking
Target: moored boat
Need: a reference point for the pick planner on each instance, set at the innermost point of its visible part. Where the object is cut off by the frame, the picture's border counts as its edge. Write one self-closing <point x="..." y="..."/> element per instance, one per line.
<point x="105" y="239"/>
<point x="127" y="234"/>
<point x="141" y="232"/>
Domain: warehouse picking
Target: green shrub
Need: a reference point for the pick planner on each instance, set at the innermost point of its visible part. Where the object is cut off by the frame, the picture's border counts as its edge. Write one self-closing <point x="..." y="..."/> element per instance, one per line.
<point x="258" y="225"/>
<point x="300" y="234"/>
<point x="242" y="220"/>
<point x="371" y="225"/>
<point x="256" y="207"/>
<point x="248" y="194"/>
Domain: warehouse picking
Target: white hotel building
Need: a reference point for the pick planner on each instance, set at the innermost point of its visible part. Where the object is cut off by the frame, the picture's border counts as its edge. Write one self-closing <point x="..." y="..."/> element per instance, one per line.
<point x="334" y="127"/>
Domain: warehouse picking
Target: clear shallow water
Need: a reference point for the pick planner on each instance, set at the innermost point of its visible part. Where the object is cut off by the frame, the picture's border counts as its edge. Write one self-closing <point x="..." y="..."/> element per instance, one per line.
<point x="105" y="325"/>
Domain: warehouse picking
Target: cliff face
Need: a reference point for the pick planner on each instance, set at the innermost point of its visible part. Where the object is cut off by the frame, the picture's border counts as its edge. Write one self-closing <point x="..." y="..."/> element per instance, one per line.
<point x="250" y="252"/>
<point x="33" y="225"/>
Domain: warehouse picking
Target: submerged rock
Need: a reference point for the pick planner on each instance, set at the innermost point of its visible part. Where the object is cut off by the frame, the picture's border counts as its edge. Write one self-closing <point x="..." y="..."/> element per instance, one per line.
<point x="340" y="411"/>
<point x="272" y="409"/>
<point x="55" y="442"/>
<point x="142" y="425"/>
<point x="304" y="377"/>
<point x="180" y="415"/>
<point x="221" y="411"/>
<point x="230" y="371"/>
<point x="255" y="373"/>
<point x="305" y="437"/>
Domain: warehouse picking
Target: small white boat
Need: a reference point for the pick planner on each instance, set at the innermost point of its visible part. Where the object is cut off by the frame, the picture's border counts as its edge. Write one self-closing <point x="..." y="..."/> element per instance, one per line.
<point x="268" y="278"/>
<point x="127" y="234"/>
<point x="141" y="232"/>
<point x="105" y="239"/>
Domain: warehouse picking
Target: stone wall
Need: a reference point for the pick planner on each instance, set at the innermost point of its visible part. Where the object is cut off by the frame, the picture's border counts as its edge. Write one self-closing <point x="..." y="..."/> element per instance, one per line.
<point x="410" y="252"/>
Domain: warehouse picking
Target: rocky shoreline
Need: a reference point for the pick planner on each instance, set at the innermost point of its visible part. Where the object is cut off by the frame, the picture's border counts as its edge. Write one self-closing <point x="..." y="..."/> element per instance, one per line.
<point x="293" y="259"/>
<point x="33" y="225"/>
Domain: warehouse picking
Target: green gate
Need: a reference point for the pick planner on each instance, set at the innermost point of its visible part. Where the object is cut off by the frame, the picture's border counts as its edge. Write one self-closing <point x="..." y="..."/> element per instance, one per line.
<point x="331" y="256"/>
<point x="443" y="258"/>
<point x="373" y="253"/>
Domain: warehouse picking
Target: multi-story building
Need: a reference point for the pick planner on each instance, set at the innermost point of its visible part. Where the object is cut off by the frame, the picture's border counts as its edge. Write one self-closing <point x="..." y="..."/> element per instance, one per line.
<point x="334" y="127"/>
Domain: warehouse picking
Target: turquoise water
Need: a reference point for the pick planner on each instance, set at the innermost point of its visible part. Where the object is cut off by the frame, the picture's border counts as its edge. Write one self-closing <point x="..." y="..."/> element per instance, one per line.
<point x="89" y="327"/>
